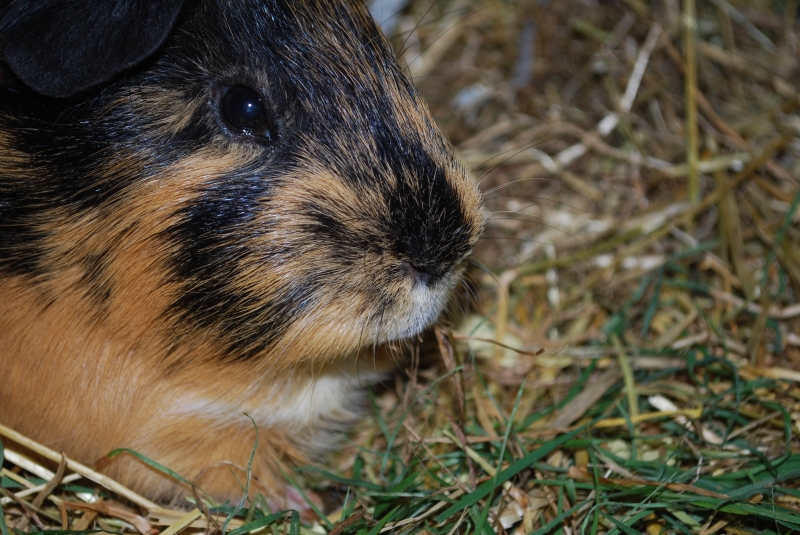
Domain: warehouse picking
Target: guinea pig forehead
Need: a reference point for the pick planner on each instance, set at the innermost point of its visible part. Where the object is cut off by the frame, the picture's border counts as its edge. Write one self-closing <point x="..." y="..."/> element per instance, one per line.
<point x="323" y="55"/>
<point x="319" y="43"/>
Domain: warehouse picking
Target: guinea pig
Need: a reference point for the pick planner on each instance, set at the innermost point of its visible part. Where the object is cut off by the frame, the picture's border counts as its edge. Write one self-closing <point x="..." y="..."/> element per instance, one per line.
<point x="212" y="211"/>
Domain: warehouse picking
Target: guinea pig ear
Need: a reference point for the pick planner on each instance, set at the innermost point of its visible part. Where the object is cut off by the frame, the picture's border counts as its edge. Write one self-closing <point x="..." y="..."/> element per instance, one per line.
<point x="62" y="47"/>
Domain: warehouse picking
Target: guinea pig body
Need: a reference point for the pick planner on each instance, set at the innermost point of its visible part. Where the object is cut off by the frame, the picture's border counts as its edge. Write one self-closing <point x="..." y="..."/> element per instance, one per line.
<point x="217" y="234"/>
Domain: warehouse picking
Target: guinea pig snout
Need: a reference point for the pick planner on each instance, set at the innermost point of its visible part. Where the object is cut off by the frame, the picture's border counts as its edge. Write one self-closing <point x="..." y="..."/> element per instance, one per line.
<point x="394" y="250"/>
<point x="434" y="230"/>
<point x="416" y="273"/>
<point x="434" y="221"/>
<point x="427" y="262"/>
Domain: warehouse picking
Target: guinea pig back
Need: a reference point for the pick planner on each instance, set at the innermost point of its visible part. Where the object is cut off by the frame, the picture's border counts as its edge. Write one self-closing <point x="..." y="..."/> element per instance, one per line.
<point x="220" y="225"/>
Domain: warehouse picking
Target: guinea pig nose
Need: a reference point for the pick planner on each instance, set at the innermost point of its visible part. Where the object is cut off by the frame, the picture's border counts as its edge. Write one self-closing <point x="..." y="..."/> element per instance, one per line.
<point x="416" y="273"/>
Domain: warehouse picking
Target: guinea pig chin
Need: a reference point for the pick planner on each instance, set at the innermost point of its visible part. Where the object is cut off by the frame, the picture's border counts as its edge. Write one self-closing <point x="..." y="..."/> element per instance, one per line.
<point x="419" y="303"/>
<point x="415" y="307"/>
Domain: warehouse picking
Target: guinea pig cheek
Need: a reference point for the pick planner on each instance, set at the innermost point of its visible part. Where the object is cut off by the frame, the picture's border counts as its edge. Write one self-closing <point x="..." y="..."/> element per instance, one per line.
<point x="365" y="296"/>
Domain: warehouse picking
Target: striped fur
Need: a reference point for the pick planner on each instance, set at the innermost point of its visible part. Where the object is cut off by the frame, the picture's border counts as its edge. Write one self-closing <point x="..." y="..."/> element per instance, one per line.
<point x="162" y="277"/>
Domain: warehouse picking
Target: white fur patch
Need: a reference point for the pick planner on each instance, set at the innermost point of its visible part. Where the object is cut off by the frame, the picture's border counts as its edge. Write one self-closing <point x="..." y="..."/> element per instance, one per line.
<point x="331" y="399"/>
<point x="423" y="308"/>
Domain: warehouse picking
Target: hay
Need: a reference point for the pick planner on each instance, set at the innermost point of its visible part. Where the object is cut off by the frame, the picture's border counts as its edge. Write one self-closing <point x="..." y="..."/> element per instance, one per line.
<point x="631" y="360"/>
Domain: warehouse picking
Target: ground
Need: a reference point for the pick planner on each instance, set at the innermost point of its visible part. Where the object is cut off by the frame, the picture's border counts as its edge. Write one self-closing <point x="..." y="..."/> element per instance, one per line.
<point x="625" y="354"/>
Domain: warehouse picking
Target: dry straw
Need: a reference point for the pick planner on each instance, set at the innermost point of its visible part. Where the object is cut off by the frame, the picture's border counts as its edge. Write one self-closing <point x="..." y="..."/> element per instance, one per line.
<point x="626" y="358"/>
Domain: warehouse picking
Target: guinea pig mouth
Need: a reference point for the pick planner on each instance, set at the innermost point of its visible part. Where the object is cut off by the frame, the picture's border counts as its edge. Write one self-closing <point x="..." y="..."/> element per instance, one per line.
<point x="419" y="273"/>
<point x="420" y="304"/>
<point x="416" y="273"/>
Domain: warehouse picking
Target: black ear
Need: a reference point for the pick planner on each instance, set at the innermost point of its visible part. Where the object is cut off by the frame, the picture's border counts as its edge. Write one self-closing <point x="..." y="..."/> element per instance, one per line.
<point x="62" y="47"/>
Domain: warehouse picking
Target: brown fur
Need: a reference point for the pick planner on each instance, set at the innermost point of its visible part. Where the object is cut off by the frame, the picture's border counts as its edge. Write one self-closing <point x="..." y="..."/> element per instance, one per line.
<point x="85" y="373"/>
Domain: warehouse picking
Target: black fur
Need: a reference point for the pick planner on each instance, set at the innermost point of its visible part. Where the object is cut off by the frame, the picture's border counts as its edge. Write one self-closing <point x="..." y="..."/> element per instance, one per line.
<point x="346" y="121"/>
<point x="60" y="48"/>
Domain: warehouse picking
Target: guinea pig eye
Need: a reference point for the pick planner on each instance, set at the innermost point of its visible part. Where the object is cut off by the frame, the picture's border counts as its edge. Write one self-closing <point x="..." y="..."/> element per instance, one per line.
<point x="244" y="111"/>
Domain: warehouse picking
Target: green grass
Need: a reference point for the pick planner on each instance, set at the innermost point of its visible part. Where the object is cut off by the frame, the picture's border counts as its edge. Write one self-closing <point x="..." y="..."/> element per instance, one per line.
<point x="469" y="443"/>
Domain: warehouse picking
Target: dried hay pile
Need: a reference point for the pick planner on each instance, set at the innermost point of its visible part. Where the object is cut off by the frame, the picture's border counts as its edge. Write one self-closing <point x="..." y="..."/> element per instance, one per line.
<point x="631" y="357"/>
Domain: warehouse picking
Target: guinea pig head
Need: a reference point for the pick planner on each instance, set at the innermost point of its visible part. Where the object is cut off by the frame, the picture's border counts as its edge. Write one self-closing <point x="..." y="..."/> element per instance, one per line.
<point x="342" y="216"/>
<point x="266" y="187"/>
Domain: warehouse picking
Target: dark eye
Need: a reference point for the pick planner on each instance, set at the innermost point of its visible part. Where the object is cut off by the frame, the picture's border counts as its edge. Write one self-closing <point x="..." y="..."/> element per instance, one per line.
<point x="243" y="110"/>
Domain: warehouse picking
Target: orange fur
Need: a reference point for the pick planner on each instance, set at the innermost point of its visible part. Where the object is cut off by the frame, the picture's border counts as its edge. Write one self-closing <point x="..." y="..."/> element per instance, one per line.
<point x="93" y="355"/>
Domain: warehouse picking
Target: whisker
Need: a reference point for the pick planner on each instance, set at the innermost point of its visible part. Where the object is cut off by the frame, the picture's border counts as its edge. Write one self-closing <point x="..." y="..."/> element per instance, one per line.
<point x="460" y="299"/>
<point x="364" y="323"/>
<point x="523" y="240"/>
<point x="534" y="222"/>
<point x="482" y="267"/>
<point x="531" y="197"/>
<point x="433" y="20"/>
<point x="471" y="289"/>
<point x="395" y="353"/>
<point x="390" y="17"/>
<point x="437" y="75"/>
<point x="419" y="23"/>
<point x="375" y="349"/>
<point x="444" y="32"/>
<point x="545" y="179"/>
<point x="518" y="150"/>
